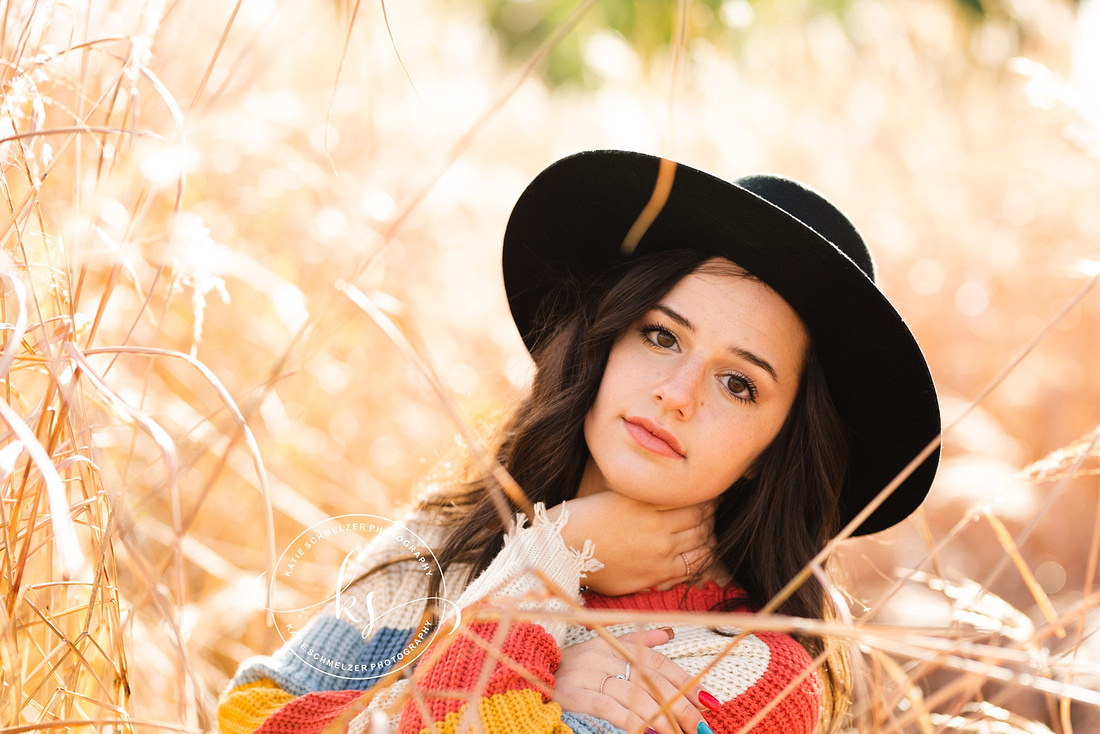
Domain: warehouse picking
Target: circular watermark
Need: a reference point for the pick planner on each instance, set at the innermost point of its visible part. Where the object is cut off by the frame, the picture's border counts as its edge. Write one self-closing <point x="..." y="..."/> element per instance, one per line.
<point x="333" y="564"/>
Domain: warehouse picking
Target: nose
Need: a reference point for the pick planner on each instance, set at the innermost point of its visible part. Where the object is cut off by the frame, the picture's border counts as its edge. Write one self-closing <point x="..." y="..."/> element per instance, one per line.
<point x="679" y="390"/>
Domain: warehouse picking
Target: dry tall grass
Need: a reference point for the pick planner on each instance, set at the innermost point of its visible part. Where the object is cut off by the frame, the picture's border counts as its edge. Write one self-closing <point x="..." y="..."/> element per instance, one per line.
<point x="186" y="387"/>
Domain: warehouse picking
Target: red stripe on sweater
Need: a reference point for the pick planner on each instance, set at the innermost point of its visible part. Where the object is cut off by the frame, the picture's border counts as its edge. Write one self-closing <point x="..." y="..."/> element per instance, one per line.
<point x="458" y="669"/>
<point x="799" y="711"/>
<point x="309" y="714"/>
<point x="692" y="599"/>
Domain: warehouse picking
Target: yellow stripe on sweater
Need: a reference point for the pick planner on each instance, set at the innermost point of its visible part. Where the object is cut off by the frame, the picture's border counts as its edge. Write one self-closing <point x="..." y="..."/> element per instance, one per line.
<point x="244" y="709"/>
<point x="513" y="711"/>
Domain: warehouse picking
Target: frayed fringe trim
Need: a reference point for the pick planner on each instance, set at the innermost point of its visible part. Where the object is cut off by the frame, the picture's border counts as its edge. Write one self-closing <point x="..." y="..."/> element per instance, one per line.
<point x="584" y="557"/>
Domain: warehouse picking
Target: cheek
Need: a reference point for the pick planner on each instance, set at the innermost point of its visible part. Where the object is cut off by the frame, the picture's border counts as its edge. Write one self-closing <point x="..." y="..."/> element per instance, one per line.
<point x="615" y="377"/>
<point x="589" y="419"/>
<point x="740" y="446"/>
<point x="610" y="396"/>
<point x="769" y="434"/>
<point x="596" y="414"/>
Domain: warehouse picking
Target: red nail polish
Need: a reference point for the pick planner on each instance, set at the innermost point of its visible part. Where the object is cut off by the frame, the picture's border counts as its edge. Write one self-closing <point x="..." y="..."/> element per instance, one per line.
<point x="709" y="701"/>
<point x="651" y="730"/>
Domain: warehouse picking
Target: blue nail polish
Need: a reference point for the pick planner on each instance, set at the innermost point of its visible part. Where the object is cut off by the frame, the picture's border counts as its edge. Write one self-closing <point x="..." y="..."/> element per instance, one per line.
<point x="703" y="728"/>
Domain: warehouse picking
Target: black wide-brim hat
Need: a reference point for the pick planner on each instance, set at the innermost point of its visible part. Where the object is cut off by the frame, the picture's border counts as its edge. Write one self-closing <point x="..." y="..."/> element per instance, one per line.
<point x="569" y="227"/>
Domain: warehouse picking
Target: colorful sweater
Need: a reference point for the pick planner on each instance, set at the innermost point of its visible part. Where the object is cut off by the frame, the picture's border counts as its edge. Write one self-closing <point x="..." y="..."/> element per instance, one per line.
<point x="328" y="675"/>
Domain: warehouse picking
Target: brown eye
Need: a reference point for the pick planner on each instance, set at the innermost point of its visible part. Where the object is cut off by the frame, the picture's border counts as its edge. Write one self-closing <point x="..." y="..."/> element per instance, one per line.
<point x="658" y="336"/>
<point x="741" y="387"/>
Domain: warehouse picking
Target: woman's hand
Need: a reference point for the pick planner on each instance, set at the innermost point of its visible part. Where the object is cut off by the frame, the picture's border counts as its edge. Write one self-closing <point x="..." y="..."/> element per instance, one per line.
<point x="586" y="683"/>
<point x="640" y="545"/>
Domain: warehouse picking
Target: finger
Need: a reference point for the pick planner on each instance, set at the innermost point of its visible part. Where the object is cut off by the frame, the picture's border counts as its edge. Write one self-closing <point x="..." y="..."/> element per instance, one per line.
<point x="692" y="538"/>
<point x="663" y="679"/>
<point x="611" y="709"/>
<point x="685" y="518"/>
<point x="651" y="694"/>
<point x="646" y="712"/>
<point x="670" y="708"/>
<point x="702" y="513"/>
<point x="648" y="638"/>
<point x="675" y="572"/>
<point x="671" y="583"/>
<point x="647" y="661"/>
<point x="685" y="561"/>
<point x="697" y="560"/>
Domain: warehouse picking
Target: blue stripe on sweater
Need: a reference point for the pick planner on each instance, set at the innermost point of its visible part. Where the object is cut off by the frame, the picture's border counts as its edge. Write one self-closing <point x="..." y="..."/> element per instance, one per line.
<point x="588" y="724"/>
<point x="329" y="654"/>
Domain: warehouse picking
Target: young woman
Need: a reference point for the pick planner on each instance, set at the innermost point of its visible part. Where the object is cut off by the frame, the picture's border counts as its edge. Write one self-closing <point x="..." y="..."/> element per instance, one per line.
<point x="720" y="388"/>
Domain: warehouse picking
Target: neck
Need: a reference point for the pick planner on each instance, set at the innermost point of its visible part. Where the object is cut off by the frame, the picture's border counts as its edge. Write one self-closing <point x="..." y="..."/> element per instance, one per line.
<point x="592" y="481"/>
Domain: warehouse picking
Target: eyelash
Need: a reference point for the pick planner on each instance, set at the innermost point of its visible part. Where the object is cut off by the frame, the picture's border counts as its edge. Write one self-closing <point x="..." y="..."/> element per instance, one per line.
<point x="646" y="331"/>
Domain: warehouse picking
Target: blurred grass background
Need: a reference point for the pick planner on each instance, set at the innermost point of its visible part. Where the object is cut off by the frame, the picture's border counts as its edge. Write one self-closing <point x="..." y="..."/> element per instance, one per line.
<point x="186" y="184"/>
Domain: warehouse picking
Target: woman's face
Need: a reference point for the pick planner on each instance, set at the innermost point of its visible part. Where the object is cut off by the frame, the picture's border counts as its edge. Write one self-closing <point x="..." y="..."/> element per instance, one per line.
<point x="694" y="390"/>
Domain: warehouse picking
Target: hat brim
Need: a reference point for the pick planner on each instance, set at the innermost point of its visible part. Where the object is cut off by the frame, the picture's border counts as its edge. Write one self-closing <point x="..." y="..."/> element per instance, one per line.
<point x="569" y="225"/>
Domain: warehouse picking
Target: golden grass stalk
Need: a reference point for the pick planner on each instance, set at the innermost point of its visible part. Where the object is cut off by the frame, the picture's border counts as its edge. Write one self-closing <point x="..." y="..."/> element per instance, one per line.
<point x="153" y="149"/>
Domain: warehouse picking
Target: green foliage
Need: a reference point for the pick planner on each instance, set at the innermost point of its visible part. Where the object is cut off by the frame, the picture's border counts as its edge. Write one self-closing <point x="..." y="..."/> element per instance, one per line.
<point x="522" y="25"/>
<point x="975" y="6"/>
<point x="648" y="25"/>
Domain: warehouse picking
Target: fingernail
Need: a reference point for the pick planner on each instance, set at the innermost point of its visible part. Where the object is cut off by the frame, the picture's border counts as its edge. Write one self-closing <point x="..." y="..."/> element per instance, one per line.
<point x="709" y="701"/>
<point x="671" y="632"/>
<point x="703" y="728"/>
<point x="651" y="730"/>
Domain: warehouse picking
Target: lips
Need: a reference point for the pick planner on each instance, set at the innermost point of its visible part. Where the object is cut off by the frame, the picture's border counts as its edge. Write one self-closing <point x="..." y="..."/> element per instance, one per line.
<point x="653" y="438"/>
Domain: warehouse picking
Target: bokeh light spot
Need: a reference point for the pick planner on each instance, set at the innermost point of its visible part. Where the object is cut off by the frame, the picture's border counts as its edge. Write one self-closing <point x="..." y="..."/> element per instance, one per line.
<point x="926" y="277"/>
<point x="972" y="298"/>
<point x="737" y="14"/>
<point x="1051" y="576"/>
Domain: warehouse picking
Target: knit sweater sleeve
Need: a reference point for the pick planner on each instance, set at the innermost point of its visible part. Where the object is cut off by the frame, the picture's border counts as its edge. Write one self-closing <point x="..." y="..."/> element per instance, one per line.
<point x="497" y="692"/>
<point x="305" y="686"/>
<point x="343" y="650"/>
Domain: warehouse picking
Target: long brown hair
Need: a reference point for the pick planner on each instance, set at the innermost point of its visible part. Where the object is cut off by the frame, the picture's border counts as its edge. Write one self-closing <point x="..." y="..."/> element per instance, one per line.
<point x="767" y="527"/>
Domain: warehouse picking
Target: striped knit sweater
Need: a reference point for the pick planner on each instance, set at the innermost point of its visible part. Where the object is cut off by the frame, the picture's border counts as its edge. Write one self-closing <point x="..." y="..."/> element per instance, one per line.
<point x="332" y="674"/>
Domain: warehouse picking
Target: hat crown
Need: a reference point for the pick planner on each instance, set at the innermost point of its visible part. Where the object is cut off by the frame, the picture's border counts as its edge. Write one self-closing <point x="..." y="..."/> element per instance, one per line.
<point x="814" y="211"/>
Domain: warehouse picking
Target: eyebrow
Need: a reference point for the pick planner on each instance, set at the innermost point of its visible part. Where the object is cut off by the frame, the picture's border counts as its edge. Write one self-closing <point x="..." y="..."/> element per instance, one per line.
<point x="741" y="352"/>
